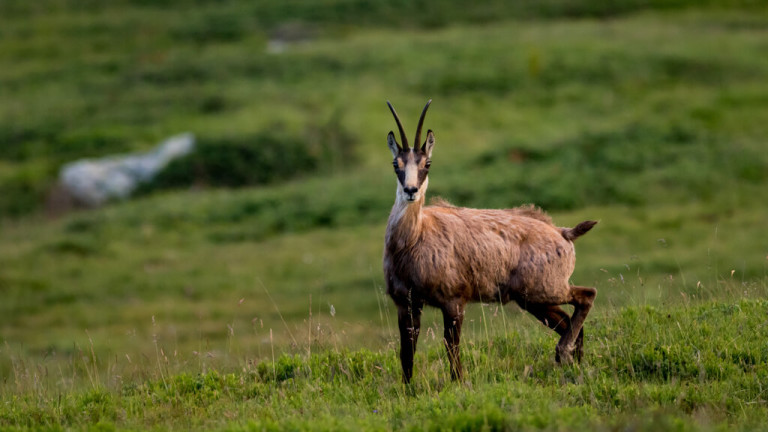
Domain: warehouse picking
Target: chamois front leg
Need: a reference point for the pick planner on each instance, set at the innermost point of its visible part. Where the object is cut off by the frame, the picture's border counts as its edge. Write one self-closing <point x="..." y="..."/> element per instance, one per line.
<point x="409" y="321"/>
<point x="453" y="317"/>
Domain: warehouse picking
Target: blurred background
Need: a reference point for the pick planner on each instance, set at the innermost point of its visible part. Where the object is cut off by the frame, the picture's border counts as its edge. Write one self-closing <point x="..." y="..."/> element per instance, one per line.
<point x="648" y="115"/>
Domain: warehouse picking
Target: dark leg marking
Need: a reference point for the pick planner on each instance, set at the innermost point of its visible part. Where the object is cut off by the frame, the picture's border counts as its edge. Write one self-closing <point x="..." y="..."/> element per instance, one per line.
<point x="409" y="322"/>
<point x="453" y="317"/>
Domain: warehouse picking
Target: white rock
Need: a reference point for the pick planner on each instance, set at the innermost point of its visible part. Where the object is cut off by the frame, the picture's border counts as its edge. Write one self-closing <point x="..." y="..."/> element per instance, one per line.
<point x="93" y="182"/>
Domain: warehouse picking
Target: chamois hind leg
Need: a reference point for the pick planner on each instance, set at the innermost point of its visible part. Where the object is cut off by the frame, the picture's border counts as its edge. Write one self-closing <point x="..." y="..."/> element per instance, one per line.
<point x="554" y="317"/>
<point x="578" y="350"/>
<point x="409" y="322"/>
<point x="581" y="298"/>
<point x="453" y="317"/>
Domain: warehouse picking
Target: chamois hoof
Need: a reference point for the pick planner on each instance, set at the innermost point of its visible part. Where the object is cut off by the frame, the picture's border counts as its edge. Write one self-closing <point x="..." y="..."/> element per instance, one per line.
<point x="578" y="354"/>
<point x="579" y="350"/>
<point x="563" y="356"/>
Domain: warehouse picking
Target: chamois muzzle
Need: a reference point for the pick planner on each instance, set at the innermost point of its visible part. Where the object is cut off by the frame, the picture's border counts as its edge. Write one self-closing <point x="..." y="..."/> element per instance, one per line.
<point x="410" y="193"/>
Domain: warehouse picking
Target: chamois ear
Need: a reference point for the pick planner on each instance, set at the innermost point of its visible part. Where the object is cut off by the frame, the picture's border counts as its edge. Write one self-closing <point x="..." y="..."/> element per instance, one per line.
<point x="394" y="147"/>
<point x="429" y="144"/>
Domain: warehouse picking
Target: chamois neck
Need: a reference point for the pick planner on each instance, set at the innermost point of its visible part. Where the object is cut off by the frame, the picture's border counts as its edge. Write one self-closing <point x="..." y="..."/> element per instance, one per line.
<point x="405" y="222"/>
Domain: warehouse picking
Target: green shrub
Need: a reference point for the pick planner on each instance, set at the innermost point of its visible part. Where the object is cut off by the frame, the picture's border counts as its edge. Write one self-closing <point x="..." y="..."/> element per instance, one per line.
<point x="240" y="161"/>
<point x="215" y="26"/>
<point x="286" y="367"/>
<point x="257" y="159"/>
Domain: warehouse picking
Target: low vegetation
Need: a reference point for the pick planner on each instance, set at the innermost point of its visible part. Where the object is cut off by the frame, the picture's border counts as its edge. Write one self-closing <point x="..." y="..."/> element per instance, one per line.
<point x="678" y="368"/>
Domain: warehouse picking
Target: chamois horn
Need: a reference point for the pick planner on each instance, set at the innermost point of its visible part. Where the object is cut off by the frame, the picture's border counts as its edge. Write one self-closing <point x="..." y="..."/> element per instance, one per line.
<point x="417" y="143"/>
<point x="399" y="126"/>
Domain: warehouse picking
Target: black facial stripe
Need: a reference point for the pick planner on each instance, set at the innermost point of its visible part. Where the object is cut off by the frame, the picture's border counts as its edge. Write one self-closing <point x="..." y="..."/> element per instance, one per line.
<point x="401" y="162"/>
<point x="422" y="176"/>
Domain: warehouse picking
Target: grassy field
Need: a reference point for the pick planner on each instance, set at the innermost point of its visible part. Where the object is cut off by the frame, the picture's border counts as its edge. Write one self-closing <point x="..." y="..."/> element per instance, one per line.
<point x="676" y="368"/>
<point x="263" y="307"/>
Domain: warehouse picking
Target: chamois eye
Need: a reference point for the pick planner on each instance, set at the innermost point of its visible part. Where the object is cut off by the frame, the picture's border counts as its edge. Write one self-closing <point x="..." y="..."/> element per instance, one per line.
<point x="394" y="164"/>
<point x="427" y="164"/>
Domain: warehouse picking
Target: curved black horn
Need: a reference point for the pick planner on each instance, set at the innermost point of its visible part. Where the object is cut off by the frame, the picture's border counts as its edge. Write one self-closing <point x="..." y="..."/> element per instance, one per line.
<point x="399" y="126"/>
<point x="421" y="123"/>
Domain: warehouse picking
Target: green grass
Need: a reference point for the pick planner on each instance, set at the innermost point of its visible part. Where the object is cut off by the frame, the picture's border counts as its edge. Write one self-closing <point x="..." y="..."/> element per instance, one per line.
<point x="256" y="308"/>
<point x="677" y="368"/>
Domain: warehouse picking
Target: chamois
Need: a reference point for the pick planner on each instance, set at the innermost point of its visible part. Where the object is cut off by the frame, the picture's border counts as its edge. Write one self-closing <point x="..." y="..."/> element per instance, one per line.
<point x="446" y="256"/>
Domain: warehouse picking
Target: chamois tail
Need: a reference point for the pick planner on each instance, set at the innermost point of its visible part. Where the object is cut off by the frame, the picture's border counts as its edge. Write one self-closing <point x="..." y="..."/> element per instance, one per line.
<point x="579" y="230"/>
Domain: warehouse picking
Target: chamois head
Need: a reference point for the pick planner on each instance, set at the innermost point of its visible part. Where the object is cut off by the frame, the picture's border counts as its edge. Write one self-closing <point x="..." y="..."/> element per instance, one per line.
<point x="411" y="164"/>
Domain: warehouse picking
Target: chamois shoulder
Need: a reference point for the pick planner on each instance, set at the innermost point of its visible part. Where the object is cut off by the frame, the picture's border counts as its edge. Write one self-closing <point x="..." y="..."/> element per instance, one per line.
<point x="440" y="202"/>
<point x="533" y="212"/>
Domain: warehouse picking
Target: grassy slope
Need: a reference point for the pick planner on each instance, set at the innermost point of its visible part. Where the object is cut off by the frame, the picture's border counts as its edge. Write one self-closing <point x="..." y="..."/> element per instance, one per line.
<point x="681" y="368"/>
<point x="118" y="79"/>
<point x="632" y="121"/>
